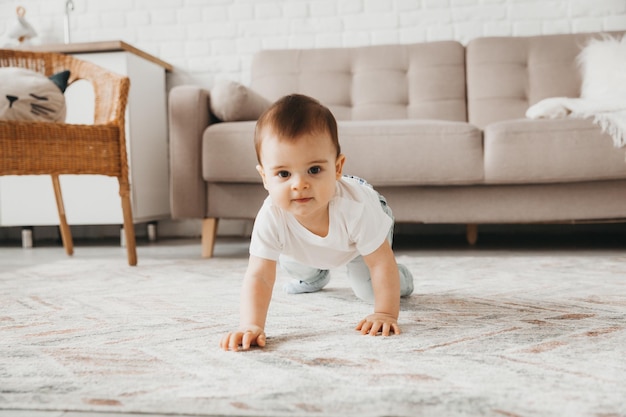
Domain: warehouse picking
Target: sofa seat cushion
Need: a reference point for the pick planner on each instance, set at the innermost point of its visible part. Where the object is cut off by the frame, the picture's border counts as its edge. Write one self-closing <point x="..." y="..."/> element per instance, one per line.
<point x="412" y="152"/>
<point x="387" y="152"/>
<point x="525" y="151"/>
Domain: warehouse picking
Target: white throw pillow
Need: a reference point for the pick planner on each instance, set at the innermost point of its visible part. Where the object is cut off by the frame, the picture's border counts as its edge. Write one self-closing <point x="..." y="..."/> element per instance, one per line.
<point x="603" y="68"/>
<point x="232" y="101"/>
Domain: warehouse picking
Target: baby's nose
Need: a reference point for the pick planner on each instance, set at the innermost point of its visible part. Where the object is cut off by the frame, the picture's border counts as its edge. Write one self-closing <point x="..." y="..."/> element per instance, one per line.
<point x="299" y="182"/>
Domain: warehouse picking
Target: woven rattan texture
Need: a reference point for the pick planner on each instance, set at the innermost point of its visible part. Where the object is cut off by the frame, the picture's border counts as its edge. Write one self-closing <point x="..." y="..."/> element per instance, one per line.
<point x="28" y="148"/>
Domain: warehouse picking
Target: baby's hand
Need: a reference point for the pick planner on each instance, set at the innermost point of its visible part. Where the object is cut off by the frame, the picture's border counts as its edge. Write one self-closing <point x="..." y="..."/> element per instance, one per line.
<point x="378" y="322"/>
<point x="245" y="337"/>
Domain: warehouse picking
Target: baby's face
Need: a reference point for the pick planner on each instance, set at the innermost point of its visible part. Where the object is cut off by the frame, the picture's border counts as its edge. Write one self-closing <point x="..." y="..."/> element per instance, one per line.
<point x="301" y="176"/>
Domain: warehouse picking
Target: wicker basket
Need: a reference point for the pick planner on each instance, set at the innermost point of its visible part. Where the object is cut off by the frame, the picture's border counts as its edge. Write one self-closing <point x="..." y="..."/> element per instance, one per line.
<point x="43" y="148"/>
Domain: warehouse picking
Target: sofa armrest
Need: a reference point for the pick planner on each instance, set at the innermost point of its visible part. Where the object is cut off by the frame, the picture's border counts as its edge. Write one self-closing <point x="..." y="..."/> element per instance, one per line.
<point x="189" y="116"/>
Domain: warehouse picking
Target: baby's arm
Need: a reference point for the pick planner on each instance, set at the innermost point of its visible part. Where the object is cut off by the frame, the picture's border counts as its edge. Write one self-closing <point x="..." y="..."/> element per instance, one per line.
<point x="386" y="285"/>
<point x="256" y="293"/>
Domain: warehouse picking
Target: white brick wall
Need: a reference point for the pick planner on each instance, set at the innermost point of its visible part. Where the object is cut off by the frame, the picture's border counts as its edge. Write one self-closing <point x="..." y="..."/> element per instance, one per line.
<point x="213" y="39"/>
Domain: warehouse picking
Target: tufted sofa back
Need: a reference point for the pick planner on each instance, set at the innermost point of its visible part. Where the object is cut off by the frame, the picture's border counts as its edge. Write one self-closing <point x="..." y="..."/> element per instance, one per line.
<point x="414" y="81"/>
<point x="506" y="75"/>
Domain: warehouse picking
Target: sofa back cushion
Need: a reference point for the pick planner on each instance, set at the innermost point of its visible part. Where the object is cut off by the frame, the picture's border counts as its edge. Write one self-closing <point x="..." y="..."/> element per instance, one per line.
<point x="506" y="75"/>
<point x="414" y="81"/>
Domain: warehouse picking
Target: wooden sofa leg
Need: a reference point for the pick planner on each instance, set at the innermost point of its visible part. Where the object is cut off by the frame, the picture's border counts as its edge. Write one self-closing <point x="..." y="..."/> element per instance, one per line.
<point x="472" y="233"/>
<point x="66" y="234"/>
<point x="209" y="232"/>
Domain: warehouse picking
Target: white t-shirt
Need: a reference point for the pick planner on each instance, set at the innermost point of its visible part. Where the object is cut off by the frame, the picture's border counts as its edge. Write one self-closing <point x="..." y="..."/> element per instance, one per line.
<point x="358" y="226"/>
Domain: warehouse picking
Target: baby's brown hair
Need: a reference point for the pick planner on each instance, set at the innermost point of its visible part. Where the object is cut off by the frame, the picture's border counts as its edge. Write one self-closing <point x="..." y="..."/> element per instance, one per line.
<point x="293" y="116"/>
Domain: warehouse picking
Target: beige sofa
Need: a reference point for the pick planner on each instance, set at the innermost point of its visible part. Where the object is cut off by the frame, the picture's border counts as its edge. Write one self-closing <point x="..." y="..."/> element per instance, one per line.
<point x="437" y="127"/>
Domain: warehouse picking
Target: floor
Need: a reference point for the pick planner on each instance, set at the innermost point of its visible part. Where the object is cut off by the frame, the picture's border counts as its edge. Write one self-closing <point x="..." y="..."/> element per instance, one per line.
<point x="12" y="256"/>
<point x="602" y="241"/>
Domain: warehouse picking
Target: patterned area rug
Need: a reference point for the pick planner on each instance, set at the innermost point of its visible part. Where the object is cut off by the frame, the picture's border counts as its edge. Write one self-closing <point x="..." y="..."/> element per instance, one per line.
<point x="484" y="335"/>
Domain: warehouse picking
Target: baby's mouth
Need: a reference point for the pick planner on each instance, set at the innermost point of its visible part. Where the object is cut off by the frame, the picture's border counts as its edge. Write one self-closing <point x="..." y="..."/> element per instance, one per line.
<point x="302" y="200"/>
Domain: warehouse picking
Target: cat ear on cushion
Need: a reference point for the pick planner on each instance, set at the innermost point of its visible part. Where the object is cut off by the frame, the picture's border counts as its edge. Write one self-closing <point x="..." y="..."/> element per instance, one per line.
<point x="61" y="79"/>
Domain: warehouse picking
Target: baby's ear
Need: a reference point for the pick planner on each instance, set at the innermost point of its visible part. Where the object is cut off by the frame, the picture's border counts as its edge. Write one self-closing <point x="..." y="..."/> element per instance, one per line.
<point x="341" y="159"/>
<point x="259" y="169"/>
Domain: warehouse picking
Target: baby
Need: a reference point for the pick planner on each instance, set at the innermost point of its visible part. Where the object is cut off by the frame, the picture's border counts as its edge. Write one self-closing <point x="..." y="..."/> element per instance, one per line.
<point x="313" y="220"/>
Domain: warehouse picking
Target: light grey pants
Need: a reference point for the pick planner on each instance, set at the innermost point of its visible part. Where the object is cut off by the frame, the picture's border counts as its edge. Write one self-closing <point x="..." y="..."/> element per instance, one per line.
<point x="358" y="272"/>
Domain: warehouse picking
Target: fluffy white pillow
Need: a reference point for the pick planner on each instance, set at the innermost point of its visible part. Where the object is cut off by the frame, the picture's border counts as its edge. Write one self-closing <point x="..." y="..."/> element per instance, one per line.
<point x="603" y="67"/>
<point x="29" y="95"/>
<point x="232" y="101"/>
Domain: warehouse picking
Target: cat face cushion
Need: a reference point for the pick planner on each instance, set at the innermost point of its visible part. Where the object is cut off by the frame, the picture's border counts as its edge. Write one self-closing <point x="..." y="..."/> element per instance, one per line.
<point x="29" y="95"/>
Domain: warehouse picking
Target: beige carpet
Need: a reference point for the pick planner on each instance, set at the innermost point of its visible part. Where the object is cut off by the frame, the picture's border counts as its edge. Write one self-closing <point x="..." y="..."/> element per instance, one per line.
<point x="484" y="335"/>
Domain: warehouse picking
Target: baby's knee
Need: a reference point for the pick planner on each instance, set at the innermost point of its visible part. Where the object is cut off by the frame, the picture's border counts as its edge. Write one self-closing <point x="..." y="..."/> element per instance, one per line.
<point x="364" y="292"/>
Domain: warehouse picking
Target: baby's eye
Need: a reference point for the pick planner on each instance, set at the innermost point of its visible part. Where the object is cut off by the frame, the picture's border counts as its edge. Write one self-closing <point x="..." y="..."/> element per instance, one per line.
<point x="283" y="174"/>
<point x="315" y="170"/>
